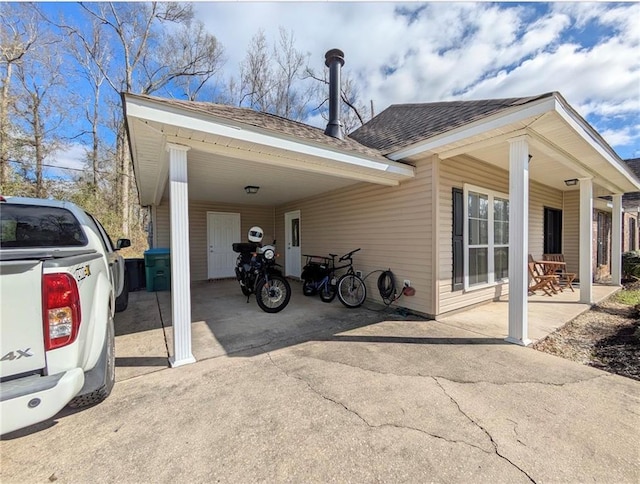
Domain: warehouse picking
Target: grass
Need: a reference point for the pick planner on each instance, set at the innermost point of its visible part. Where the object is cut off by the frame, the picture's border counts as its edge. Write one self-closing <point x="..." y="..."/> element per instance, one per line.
<point x="630" y="297"/>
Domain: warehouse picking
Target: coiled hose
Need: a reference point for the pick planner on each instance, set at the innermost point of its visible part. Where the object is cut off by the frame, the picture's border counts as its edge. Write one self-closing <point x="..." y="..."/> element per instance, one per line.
<point x="386" y="286"/>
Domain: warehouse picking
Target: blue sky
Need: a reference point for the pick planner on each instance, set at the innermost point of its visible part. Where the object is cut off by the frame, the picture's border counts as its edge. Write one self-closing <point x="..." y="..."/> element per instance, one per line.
<point x="424" y="52"/>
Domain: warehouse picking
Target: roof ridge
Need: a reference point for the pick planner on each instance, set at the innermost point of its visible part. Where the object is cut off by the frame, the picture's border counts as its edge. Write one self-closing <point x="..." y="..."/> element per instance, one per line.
<point x="487" y="100"/>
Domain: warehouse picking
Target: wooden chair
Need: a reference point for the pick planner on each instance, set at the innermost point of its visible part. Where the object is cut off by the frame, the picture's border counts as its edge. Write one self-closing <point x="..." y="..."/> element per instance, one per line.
<point x="544" y="282"/>
<point x="561" y="271"/>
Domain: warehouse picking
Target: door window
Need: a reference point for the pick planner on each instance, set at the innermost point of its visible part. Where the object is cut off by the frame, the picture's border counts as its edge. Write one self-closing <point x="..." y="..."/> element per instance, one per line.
<point x="295" y="232"/>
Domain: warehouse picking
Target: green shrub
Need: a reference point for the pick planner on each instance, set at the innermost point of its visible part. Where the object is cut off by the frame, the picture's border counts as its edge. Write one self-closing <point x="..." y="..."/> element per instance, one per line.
<point x="631" y="264"/>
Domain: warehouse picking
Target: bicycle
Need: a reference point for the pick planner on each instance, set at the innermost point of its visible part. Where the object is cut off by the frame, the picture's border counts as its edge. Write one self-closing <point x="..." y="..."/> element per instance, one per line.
<point x="349" y="288"/>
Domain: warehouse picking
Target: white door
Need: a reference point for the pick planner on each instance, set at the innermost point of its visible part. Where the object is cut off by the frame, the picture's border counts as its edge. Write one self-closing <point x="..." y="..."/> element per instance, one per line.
<point x="292" y="239"/>
<point x="223" y="230"/>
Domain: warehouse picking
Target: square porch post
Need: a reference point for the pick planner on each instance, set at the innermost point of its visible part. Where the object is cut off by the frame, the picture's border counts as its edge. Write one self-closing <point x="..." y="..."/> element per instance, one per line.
<point x="616" y="241"/>
<point x="180" y="274"/>
<point x="586" y="242"/>
<point x="518" y="240"/>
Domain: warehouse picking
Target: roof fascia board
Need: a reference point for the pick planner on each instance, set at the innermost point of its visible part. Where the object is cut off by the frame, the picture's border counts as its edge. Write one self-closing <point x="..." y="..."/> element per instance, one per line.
<point x="348" y="173"/>
<point x="580" y="126"/>
<point x="498" y="120"/>
<point x="154" y="111"/>
<point x="477" y="145"/>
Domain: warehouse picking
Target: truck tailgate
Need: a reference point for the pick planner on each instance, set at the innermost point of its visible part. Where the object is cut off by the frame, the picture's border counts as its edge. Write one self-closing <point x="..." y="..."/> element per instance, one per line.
<point x="22" y="343"/>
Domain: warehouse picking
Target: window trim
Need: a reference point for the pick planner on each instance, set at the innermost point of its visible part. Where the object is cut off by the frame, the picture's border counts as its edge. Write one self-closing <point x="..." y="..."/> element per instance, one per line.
<point x="491" y="246"/>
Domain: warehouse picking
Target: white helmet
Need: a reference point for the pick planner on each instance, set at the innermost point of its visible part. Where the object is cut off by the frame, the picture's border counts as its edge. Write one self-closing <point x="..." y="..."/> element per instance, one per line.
<point x="255" y="234"/>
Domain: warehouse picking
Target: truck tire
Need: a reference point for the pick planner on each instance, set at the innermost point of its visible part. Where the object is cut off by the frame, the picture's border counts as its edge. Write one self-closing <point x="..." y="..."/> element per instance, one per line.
<point x="122" y="301"/>
<point x="108" y="379"/>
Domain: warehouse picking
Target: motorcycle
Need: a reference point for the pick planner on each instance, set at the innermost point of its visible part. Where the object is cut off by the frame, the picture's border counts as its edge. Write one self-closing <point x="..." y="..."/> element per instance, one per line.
<point x="258" y="273"/>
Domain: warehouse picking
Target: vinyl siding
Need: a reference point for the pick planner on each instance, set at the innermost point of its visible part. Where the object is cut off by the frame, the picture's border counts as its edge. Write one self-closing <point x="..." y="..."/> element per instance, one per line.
<point x="541" y="196"/>
<point x="249" y="216"/>
<point x="392" y="225"/>
<point x="457" y="172"/>
<point x="571" y="231"/>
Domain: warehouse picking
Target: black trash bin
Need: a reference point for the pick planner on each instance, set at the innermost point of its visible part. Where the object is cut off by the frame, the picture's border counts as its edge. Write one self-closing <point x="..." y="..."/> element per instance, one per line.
<point x="135" y="274"/>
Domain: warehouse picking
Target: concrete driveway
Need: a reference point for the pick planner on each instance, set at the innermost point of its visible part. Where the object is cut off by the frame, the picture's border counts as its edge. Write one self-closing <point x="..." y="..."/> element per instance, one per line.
<point x="362" y="401"/>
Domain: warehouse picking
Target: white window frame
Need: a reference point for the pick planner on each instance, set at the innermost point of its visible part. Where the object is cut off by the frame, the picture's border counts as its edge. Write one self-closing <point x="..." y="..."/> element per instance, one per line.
<point x="491" y="194"/>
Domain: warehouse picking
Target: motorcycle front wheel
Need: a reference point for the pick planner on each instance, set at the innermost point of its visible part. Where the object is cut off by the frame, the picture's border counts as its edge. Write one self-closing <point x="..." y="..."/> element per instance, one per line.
<point x="273" y="296"/>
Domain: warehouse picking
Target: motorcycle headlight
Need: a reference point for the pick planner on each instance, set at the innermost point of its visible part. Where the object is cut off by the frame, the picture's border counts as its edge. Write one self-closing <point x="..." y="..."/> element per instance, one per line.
<point x="269" y="254"/>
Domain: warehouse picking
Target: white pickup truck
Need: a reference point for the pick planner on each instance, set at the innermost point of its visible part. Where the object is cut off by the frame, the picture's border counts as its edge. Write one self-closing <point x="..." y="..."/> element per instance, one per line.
<point x="61" y="279"/>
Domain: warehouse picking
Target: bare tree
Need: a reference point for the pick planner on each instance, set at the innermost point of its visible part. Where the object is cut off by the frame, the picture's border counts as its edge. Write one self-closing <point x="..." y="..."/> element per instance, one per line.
<point x="89" y="57"/>
<point x="256" y="78"/>
<point x="273" y="79"/>
<point x="189" y="58"/>
<point x="292" y="94"/>
<point x="149" y="61"/>
<point x="38" y="103"/>
<point x="18" y="35"/>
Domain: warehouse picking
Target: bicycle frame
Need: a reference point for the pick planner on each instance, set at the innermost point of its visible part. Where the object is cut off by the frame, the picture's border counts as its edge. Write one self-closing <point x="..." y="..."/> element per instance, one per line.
<point x="347" y="257"/>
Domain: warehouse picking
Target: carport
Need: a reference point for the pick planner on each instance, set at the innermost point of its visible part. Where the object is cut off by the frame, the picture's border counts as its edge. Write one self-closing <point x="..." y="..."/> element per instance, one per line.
<point x="186" y="151"/>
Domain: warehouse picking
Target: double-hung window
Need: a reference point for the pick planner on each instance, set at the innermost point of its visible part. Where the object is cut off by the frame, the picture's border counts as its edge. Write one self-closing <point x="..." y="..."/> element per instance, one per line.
<point x="486" y="236"/>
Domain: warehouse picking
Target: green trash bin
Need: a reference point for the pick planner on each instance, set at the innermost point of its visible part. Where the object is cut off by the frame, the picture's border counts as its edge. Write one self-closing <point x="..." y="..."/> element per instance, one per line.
<point x="157" y="264"/>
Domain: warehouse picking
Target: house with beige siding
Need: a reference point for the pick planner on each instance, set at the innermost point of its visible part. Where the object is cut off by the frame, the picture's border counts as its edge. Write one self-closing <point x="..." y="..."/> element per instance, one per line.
<point x="452" y="196"/>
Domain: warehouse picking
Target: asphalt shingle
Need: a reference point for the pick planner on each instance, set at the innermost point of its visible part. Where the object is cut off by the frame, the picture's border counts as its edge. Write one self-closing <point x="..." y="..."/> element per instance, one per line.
<point x="271" y="122"/>
<point x="401" y="125"/>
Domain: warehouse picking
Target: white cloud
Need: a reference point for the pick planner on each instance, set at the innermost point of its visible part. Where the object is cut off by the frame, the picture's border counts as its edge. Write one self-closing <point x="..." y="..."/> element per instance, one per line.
<point x="67" y="162"/>
<point x="440" y="51"/>
<point x="622" y="137"/>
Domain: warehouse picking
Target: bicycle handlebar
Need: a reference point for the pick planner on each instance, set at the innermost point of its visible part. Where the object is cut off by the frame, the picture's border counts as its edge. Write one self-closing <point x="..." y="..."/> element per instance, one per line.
<point x="348" y="255"/>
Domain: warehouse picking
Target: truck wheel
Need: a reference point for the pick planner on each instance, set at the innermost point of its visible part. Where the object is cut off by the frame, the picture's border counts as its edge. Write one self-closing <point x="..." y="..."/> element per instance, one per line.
<point x="122" y="301"/>
<point x="109" y="377"/>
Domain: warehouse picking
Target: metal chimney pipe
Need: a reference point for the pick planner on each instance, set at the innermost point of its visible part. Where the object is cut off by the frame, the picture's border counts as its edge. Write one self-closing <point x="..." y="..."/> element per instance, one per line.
<point x="334" y="60"/>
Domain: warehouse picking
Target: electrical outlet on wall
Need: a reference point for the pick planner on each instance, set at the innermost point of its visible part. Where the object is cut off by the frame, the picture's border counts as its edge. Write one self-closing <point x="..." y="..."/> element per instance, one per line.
<point x="407" y="283"/>
<point x="359" y="273"/>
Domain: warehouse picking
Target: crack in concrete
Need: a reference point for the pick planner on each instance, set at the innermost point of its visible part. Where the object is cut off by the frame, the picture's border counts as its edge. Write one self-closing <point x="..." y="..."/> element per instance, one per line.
<point x="460" y="381"/>
<point x="365" y="421"/>
<point x="485" y="431"/>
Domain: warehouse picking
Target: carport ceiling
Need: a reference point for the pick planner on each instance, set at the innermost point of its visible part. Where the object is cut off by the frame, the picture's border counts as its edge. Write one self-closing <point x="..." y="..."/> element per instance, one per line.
<point x="222" y="179"/>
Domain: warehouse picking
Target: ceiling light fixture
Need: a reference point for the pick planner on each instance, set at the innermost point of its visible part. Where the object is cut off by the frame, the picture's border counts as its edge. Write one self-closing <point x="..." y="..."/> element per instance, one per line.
<point x="251" y="189"/>
<point x="572" y="182"/>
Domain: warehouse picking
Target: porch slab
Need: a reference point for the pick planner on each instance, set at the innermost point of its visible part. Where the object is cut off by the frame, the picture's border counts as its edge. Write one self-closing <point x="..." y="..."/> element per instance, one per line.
<point x="546" y="313"/>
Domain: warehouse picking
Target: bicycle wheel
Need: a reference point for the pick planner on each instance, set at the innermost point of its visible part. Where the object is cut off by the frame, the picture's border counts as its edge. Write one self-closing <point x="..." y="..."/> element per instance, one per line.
<point x="327" y="291"/>
<point x="351" y="291"/>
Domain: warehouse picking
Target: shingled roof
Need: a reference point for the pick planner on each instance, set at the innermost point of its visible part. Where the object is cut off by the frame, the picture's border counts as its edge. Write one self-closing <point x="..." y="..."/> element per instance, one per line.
<point x="271" y="122"/>
<point x="401" y="125"/>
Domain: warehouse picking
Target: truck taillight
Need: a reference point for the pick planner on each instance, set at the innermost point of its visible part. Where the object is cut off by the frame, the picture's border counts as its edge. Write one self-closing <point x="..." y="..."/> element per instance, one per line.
<point x="60" y="310"/>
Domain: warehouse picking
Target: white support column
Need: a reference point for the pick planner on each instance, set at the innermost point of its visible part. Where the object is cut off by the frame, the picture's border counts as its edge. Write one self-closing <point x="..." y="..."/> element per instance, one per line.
<point x="180" y="275"/>
<point x="616" y="241"/>
<point x="518" y="240"/>
<point x="586" y="240"/>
